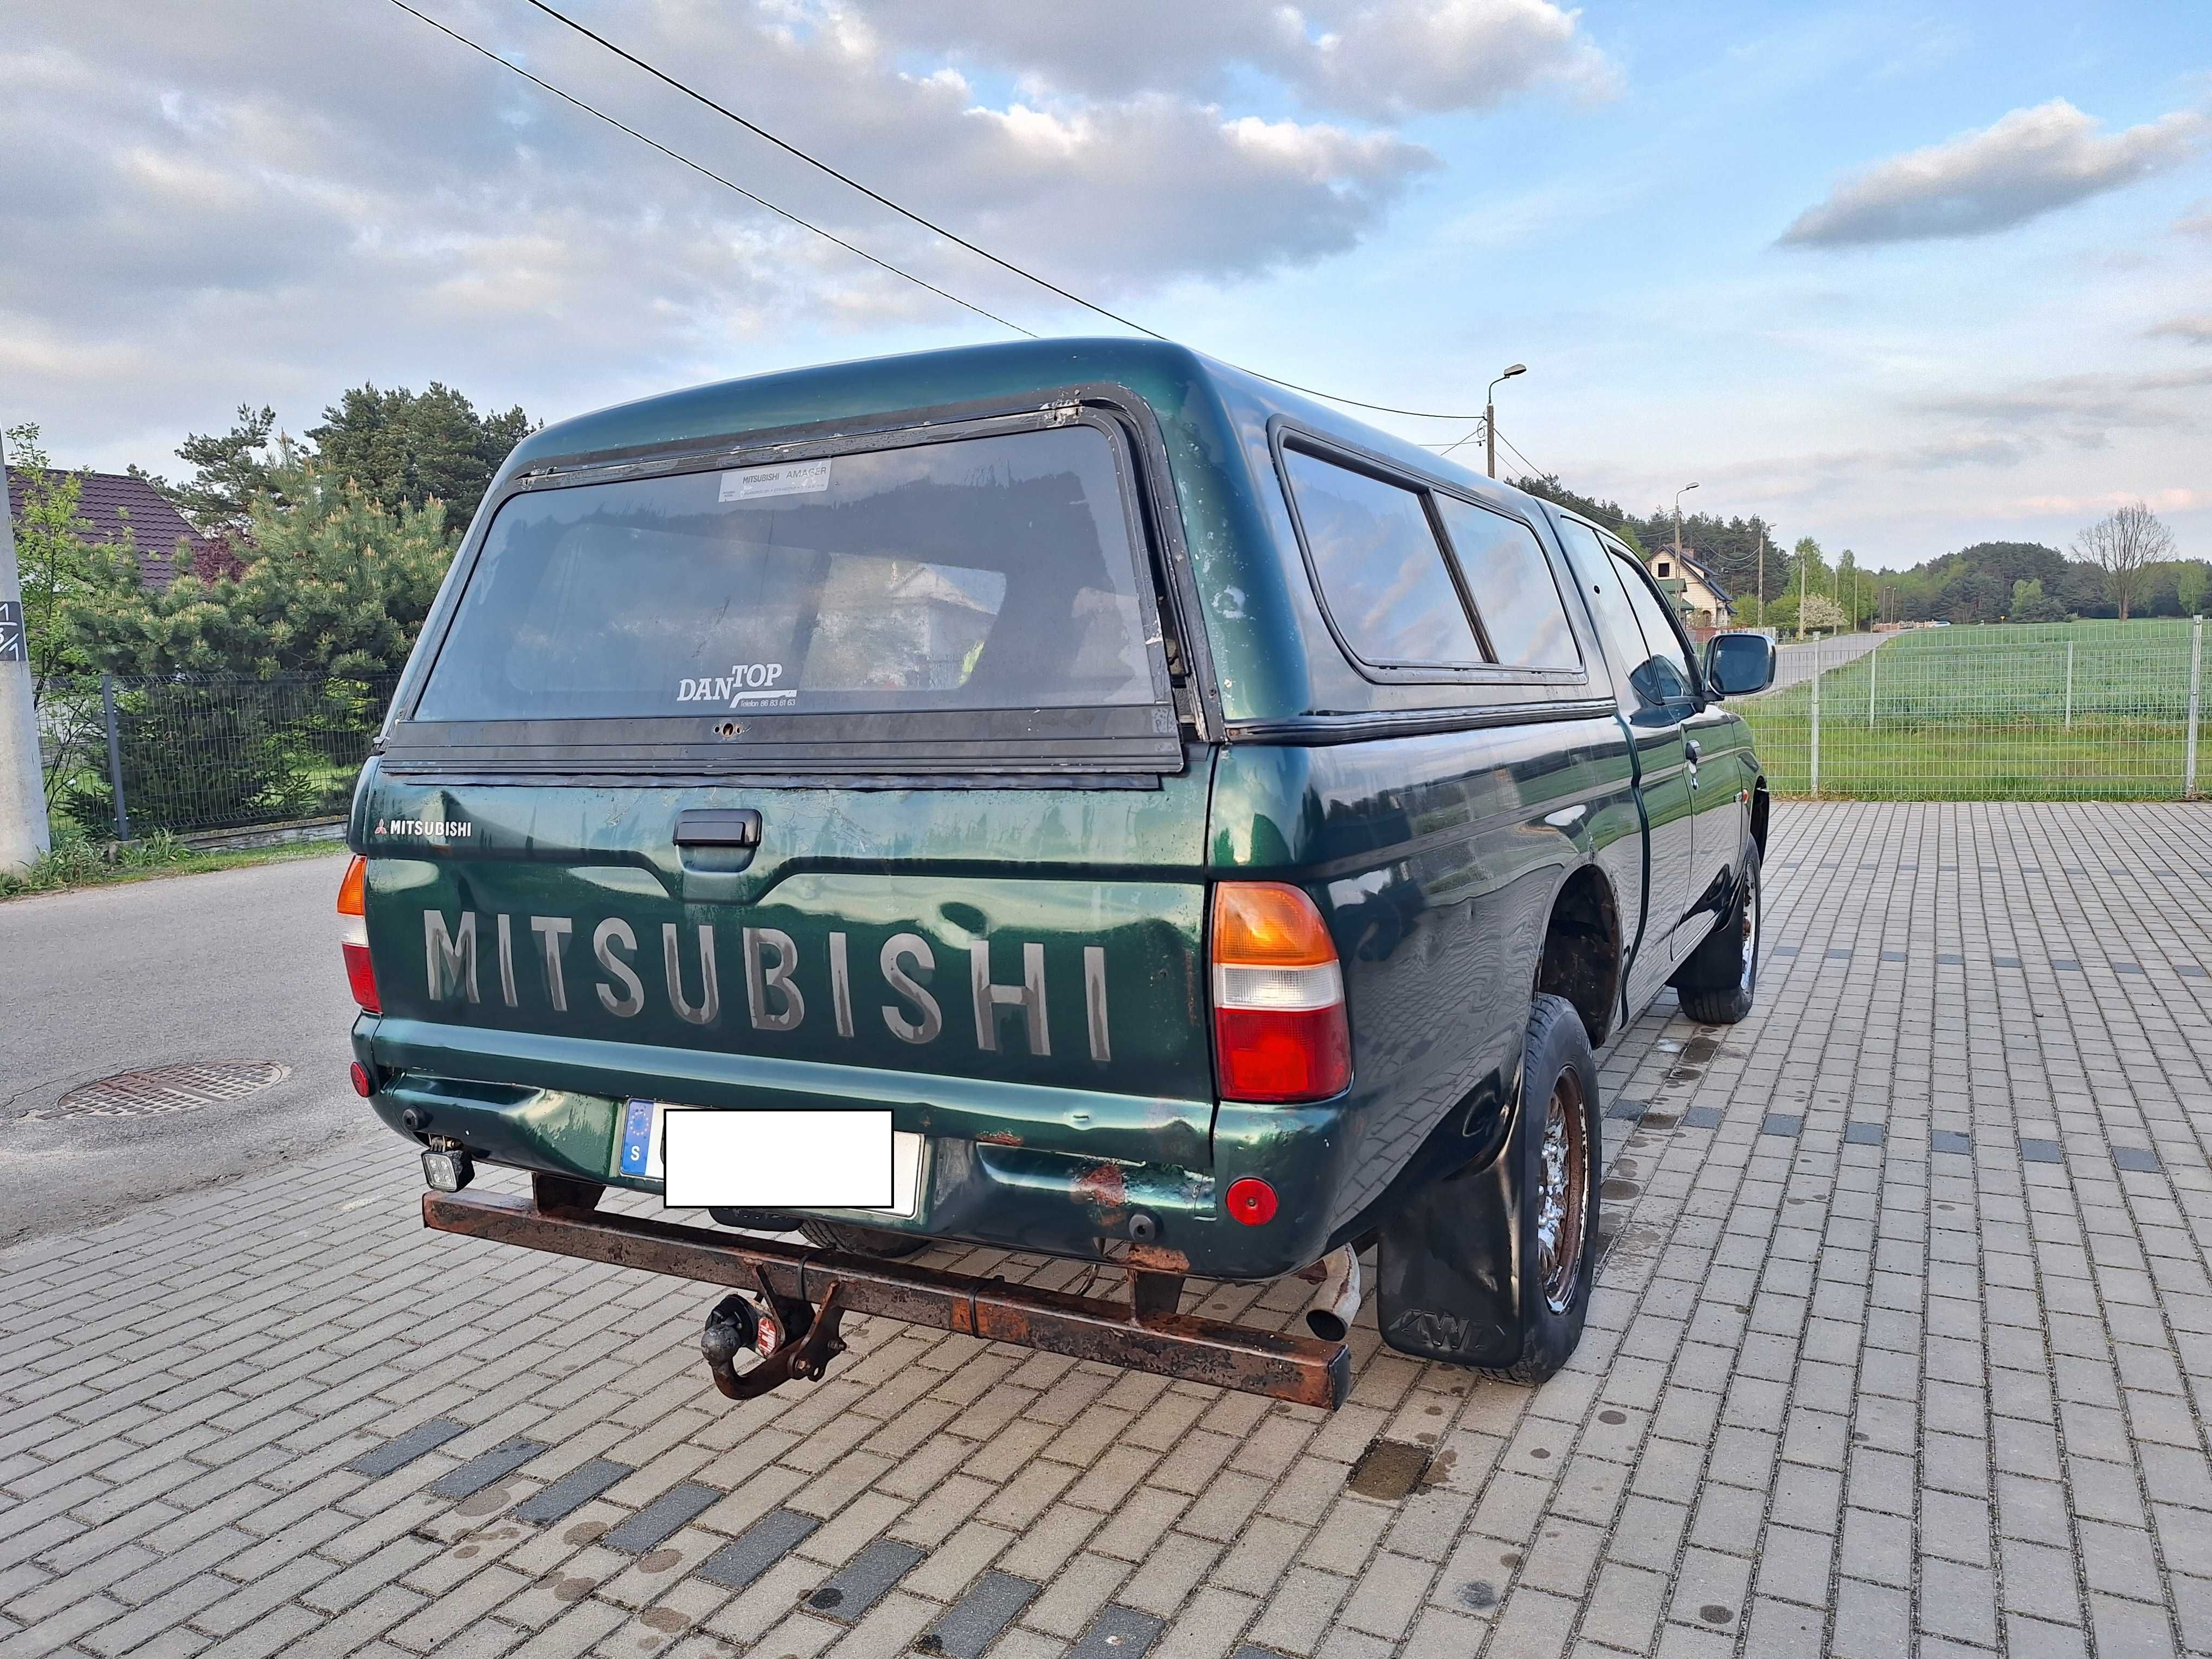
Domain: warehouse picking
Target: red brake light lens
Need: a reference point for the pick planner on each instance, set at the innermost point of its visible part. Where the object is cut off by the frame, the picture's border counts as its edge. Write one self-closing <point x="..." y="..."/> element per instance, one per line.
<point x="1279" y="1031"/>
<point x="353" y="935"/>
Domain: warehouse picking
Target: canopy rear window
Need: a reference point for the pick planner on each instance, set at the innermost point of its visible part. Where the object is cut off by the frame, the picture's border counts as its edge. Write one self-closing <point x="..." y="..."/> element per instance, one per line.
<point x="991" y="572"/>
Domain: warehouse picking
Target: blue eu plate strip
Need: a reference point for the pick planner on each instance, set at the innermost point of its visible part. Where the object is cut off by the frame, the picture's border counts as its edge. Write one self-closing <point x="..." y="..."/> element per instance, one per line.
<point x="637" y="1137"/>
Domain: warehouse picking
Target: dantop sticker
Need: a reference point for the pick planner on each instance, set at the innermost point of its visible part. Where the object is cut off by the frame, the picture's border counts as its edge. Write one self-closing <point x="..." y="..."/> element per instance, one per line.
<point x="786" y="478"/>
<point x="746" y="681"/>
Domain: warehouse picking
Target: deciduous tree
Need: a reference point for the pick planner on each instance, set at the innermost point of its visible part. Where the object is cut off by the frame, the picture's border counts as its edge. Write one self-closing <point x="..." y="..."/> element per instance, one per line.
<point x="2122" y="543"/>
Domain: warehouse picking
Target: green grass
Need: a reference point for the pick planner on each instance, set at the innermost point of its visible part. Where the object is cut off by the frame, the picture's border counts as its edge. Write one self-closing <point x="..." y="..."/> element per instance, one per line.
<point x="77" y="860"/>
<point x="1985" y="713"/>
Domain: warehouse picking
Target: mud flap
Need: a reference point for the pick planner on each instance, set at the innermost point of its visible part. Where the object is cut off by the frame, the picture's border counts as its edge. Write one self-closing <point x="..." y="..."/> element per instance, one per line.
<point x="1449" y="1266"/>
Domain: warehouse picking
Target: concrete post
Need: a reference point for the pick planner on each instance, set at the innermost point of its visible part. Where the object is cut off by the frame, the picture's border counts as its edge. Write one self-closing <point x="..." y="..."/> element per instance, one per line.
<point x="1816" y="717"/>
<point x="2196" y="698"/>
<point x="24" y="833"/>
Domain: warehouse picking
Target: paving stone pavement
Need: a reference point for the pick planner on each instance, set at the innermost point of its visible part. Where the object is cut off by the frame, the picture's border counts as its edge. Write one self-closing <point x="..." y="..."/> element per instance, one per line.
<point x="1899" y="1347"/>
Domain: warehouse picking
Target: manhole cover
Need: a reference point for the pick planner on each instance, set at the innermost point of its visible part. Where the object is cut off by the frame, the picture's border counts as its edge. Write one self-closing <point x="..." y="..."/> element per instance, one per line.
<point x="162" y="1089"/>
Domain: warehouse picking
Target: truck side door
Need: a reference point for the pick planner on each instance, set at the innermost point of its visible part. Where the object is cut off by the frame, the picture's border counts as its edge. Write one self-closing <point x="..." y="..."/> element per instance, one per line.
<point x="1655" y="704"/>
<point x="1716" y="819"/>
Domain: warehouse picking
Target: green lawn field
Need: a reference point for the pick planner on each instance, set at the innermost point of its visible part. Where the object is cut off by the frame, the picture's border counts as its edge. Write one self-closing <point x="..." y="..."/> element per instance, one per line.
<point x="2077" y="711"/>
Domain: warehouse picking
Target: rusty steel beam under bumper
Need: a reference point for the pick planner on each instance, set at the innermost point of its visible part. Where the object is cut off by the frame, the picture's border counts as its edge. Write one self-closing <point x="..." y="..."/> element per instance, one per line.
<point x="1279" y="1365"/>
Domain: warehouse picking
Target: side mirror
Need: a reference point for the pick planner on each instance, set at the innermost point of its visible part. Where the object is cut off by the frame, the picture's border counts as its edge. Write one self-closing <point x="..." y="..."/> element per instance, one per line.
<point x="1737" y="665"/>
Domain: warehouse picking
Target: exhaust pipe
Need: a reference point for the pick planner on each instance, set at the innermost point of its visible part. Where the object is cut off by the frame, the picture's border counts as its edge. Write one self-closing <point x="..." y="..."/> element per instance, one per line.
<point x="1335" y="1301"/>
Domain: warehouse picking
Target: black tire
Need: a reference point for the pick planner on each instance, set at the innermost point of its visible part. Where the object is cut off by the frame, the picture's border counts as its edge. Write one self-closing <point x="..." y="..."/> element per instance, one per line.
<point x="1719" y="982"/>
<point x="1558" y="1111"/>
<point x="863" y="1240"/>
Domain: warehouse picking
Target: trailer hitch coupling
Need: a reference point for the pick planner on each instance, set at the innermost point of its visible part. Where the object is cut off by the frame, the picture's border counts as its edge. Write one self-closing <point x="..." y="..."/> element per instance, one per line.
<point x="791" y="1338"/>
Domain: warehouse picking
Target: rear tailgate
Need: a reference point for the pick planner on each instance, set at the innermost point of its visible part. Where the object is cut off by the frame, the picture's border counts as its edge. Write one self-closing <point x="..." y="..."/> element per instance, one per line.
<point x="942" y="952"/>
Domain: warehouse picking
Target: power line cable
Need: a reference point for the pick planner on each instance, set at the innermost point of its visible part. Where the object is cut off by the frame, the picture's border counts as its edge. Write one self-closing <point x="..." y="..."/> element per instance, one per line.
<point x="933" y="227"/>
<point x="1443" y="450"/>
<point x="547" y="86"/>
<point x="1535" y="470"/>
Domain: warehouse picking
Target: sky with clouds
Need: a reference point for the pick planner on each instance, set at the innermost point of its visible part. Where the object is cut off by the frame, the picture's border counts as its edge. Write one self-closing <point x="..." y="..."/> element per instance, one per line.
<point x="1899" y="276"/>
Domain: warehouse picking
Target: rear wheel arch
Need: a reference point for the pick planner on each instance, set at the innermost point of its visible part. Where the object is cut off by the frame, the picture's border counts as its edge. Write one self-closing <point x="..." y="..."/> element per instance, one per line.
<point x="1581" y="957"/>
<point x="1761" y="802"/>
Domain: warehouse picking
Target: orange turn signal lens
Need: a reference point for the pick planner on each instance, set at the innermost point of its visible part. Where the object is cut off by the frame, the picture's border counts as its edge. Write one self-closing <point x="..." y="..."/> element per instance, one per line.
<point x="353" y="892"/>
<point x="1268" y="924"/>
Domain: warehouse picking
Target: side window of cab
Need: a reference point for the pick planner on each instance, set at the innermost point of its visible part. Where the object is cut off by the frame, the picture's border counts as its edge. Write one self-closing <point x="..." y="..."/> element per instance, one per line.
<point x="1629" y="614"/>
<point x="1418" y="584"/>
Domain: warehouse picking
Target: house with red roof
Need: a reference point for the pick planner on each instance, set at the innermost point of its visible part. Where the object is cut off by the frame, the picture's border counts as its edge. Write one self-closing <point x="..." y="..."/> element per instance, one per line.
<point x="115" y="504"/>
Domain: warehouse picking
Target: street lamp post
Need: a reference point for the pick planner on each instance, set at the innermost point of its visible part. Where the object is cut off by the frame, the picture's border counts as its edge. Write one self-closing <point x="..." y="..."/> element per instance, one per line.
<point x="1678" y="493"/>
<point x="1490" y="414"/>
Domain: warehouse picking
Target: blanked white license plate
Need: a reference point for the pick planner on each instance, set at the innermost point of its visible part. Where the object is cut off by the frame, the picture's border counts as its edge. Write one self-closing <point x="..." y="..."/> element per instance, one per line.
<point x="772" y="1159"/>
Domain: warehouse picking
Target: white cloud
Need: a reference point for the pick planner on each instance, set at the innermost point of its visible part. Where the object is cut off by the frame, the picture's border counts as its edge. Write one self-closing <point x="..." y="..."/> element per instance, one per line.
<point x="2198" y="330"/>
<point x="1373" y="59"/>
<point x="239" y="212"/>
<point x="2028" y="163"/>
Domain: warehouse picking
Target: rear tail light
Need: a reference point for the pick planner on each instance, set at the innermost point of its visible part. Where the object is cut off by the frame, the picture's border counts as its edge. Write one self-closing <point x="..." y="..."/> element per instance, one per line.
<point x="1279" y="1034"/>
<point x="353" y="935"/>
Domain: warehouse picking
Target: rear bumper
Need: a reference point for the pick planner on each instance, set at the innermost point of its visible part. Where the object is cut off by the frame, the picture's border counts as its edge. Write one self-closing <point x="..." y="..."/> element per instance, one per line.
<point x="1056" y="1172"/>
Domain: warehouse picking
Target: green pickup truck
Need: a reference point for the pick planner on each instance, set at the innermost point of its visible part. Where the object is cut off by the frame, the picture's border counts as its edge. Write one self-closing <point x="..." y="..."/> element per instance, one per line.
<point x="1069" y="797"/>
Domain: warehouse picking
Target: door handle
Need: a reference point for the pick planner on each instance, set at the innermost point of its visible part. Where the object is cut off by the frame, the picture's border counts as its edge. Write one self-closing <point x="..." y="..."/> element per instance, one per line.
<point x="1690" y="748"/>
<point x="711" y="827"/>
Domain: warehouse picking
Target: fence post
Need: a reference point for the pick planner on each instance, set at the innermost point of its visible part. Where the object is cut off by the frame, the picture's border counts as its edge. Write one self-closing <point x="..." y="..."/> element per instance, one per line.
<point x="2195" y="689"/>
<point x="1874" y="667"/>
<point x="114" y="756"/>
<point x="2069" y="684"/>
<point x="1816" y="718"/>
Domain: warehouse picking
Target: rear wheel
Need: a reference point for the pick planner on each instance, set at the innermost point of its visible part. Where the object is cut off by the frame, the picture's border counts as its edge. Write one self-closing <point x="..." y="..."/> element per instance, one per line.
<point x="1719" y="981"/>
<point x="1555" y="1145"/>
<point x="862" y="1240"/>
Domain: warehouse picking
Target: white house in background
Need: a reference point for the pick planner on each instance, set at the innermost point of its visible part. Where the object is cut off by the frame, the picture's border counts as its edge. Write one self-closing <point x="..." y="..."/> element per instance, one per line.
<point x="1695" y="589"/>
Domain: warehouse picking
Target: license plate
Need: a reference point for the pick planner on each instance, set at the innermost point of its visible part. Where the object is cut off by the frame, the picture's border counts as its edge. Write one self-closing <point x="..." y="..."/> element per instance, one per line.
<point x="796" y="1159"/>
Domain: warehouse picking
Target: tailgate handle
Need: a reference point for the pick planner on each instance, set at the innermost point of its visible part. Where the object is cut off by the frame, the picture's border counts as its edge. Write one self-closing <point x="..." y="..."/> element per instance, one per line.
<point x="717" y="827"/>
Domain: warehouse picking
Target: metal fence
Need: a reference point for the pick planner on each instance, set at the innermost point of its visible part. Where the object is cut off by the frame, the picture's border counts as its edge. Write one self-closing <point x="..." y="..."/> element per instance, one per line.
<point x="125" y="756"/>
<point x="2100" y="710"/>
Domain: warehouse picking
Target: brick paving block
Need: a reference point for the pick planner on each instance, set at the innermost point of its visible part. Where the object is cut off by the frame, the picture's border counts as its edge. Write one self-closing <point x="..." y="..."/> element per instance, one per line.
<point x="484" y="1469"/>
<point x="2066" y="964"/>
<point x="660" y="1520"/>
<point x="2006" y="961"/>
<point x="1949" y="959"/>
<point x="2142" y="1159"/>
<point x="864" y="1580"/>
<point x="571" y="1491"/>
<point x="402" y="1449"/>
<point x="1951" y="1140"/>
<point x="1862" y="1135"/>
<point x="1701" y="1118"/>
<point x="2033" y="1150"/>
<point x="1627" y="1111"/>
<point x="1780" y="1123"/>
<point x="767" y="1540"/>
<point x="1893" y="955"/>
<point x="973" y="1621"/>
<point x="1118" y="1632"/>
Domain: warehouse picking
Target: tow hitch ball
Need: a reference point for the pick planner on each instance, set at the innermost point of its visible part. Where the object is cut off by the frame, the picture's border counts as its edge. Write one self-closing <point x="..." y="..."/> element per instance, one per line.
<point x="792" y="1339"/>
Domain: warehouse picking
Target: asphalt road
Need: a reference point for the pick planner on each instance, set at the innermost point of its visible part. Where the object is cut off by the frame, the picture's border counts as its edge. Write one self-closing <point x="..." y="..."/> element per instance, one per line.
<point x="236" y="965"/>
<point x="1795" y="662"/>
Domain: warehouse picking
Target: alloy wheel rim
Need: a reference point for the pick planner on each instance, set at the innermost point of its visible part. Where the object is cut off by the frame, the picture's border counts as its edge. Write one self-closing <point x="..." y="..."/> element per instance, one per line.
<point x="1563" y="1175"/>
<point x="1749" y="979"/>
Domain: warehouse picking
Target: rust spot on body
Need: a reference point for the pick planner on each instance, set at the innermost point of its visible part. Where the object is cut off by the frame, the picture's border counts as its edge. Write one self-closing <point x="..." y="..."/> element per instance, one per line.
<point x="1102" y="1185"/>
